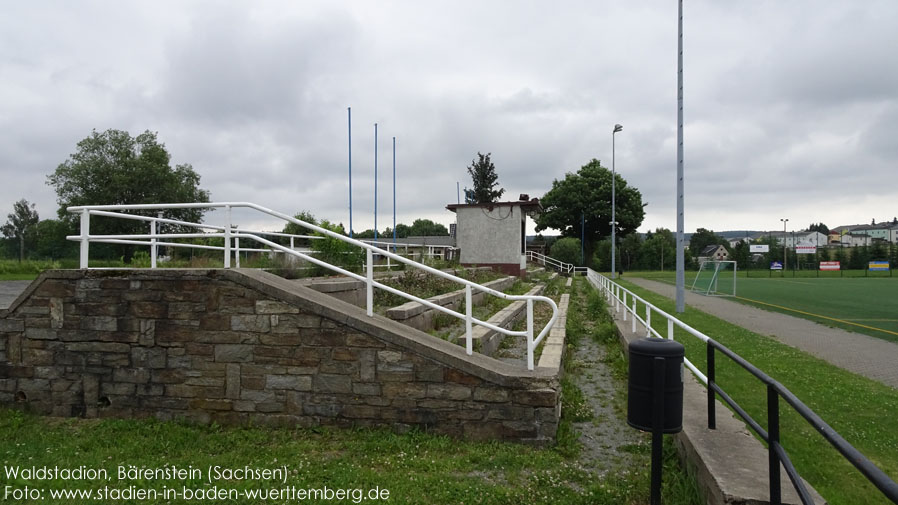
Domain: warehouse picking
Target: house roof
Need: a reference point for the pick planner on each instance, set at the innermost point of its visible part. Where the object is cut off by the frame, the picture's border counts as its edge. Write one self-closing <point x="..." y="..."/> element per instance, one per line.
<point x="526" y="205"/>
<point x="709" y="250"/>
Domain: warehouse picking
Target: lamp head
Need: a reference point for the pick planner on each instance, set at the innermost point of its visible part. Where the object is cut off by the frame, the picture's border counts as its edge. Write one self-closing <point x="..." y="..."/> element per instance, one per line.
<point x="617" y="128"/>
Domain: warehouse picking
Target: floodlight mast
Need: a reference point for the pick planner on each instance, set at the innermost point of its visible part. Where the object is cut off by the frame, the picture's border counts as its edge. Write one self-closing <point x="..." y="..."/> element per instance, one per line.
<point x="786" y="220"/>
<point x="616" y="129"/>
<point x="681" y="260"/>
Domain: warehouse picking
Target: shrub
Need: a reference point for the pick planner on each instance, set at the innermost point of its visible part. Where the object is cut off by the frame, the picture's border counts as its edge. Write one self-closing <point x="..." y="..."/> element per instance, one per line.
<point x="567" y="250"/>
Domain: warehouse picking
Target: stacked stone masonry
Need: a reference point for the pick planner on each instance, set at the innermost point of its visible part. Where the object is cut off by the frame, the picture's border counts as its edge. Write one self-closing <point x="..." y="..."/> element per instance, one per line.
<point x="240" y="347"/>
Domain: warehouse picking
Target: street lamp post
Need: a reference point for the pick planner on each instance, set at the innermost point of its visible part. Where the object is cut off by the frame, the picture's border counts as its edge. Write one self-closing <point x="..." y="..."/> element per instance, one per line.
<point x="786" y="220"/>
<point x="616" y="129"/>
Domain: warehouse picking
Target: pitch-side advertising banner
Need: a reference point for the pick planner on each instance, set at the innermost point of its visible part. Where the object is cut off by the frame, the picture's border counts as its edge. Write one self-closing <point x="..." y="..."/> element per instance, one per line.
<point x="776" y="265"/>
<point x="805" y="249"/>
<point x="758" y="248"/>
<point x="879" y="265"/>
<point x="830" y="265"/>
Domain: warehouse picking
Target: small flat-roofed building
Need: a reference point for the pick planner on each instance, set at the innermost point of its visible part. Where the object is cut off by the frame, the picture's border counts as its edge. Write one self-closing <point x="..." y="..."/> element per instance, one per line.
<point x="494" y="234"/>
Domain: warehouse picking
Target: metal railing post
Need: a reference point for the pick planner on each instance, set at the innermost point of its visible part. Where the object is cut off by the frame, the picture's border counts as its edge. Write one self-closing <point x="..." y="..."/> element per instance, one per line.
<point x="670" y="330"/>
<point x="648" y="320"/>
<point x="773" y="438"/>
<point x="617" y="299"/>
<point x="237" y="252"/>
<point x="530" y="346"/>
<point x="227" y="237"/>
<point x="469" y="308"/>
<point x="634" y="315"/>
<point x="153" y="244"/>
<point x="85" y="232"/>
<point x="369" y="281"/>
<point x="625" y="305"/>
<point x="712" y="378"/>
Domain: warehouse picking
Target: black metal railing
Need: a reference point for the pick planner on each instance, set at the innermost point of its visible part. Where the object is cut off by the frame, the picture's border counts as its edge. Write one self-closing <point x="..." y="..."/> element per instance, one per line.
<point x="776" y="453"/>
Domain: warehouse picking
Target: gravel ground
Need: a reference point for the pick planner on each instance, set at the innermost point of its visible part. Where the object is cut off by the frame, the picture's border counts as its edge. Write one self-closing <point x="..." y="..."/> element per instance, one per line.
<point x="861" y="354"/>
<point x="608" y="443"/>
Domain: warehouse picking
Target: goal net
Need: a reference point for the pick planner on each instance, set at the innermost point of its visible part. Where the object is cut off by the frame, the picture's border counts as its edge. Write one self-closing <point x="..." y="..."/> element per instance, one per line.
<point x="716" y="278"/>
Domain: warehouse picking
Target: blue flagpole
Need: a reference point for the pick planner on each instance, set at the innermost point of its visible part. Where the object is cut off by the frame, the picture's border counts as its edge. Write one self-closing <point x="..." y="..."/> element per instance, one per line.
<point x="394" y="194"/>
<point x="349" y="117"/>
<point x="375" y="181"/>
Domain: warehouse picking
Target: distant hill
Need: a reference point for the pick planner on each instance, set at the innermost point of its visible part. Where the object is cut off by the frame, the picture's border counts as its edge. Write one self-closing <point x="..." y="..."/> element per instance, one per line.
<point x="728" y="234"/>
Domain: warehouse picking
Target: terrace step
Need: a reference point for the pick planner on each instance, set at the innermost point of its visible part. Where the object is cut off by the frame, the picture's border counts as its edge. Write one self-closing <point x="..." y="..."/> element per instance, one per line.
<point x="506" y="318"/>
<point x="419" y="316"/>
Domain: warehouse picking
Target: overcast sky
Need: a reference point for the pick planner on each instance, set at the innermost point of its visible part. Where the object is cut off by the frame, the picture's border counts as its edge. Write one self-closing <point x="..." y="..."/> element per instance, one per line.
<point x="791" y="107"/>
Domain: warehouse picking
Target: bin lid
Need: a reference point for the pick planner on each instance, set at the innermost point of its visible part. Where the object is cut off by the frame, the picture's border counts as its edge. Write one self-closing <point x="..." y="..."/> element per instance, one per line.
<point x="653" y="346"/>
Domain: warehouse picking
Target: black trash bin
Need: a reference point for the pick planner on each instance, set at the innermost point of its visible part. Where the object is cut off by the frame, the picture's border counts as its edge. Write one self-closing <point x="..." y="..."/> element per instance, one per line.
<point x="642" y="380"/>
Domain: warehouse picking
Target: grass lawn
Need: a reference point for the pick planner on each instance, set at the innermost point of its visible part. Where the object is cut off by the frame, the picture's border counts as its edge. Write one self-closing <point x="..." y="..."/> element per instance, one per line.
<point x="867" y="305"/>
<point x="18" y="277"/>
<point x="863" y="411"/>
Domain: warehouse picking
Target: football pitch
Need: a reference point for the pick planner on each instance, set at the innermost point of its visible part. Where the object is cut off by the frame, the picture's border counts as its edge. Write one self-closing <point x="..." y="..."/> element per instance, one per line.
<point x="857" y="304"/>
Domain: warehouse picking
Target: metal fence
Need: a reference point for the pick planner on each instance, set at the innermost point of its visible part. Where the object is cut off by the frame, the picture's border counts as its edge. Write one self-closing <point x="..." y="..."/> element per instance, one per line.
<point x="231" y="245"/>
<point x="628" y="304"/>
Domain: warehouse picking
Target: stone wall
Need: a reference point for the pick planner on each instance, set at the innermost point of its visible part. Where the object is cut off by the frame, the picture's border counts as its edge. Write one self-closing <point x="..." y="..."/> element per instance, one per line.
<point x="241" y="346"/>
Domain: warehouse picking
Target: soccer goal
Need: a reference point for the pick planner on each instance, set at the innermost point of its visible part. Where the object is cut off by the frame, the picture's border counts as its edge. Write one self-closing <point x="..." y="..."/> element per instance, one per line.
<point x="716" y="278"/>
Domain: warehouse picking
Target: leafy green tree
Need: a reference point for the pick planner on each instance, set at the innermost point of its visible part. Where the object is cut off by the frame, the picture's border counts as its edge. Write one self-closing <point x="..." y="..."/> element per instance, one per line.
<point x="586" y="197"/>
<point x="483" y="174"/>
<point x="822" y="228"/>
<point x="567" y="250"/>
<point x="659" y="250"/>
<point x="630" y="250"/>
<point x="335" y="251"/>
<point x="601" y="258"/>
<point x="51" y="240"/>
<point x="702" y="238"/>
<point x="403" y="230"/>
<point x="114" y="168"/>
<point x="295" y="229"/>
<point x="426" y="228"/>
<point x="21" y="225"/>
<point x="740" y="254"/>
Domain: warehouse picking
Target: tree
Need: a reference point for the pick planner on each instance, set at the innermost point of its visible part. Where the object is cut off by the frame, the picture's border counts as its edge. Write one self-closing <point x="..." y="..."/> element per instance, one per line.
<point x="822" y="228"/>
<point x="567" y="250"/>
<point x="702" y="238"/>
<point x="659" y="250"/>
<point x="483" y="174"/>
<point x="630" y="251"/>
<point x="51" y="240"/>
<point x="21" y="224"/>
<point x="426" y="228"/>
<point x="114" y="168"/>
<point x="586" y="197"/>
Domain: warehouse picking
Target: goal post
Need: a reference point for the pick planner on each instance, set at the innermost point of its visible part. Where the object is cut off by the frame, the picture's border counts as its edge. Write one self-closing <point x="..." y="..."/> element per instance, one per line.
<point x="715" y="278"/>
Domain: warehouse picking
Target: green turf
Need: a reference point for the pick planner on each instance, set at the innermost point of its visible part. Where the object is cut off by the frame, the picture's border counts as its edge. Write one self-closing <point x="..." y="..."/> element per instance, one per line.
<point x="867" y="305"/>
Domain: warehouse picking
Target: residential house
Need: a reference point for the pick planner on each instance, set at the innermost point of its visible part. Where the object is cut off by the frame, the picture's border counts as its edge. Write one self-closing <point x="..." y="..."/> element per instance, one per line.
<point x="714" y="252"/>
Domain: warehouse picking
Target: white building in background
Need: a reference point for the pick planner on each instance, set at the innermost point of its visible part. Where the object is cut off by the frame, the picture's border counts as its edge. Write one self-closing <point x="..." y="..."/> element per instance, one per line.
<point x="494" y="234"/>
<point x="798" y="237"/>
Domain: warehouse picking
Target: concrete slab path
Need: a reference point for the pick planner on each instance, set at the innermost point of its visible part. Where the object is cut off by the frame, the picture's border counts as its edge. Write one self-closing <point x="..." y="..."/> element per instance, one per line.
<point x="861" y="354"/>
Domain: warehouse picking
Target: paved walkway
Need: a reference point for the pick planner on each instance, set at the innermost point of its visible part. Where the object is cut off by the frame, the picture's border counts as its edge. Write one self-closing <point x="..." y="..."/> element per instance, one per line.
<point x="10" y="290"/>
<point x="861" y="354"/>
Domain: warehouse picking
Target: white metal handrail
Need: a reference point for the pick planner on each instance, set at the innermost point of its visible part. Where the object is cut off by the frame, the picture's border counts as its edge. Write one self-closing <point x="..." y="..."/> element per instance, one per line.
<point x="619" y="296"/>
<point x="229" y="233"/>
<point x="444" y="250"/>
<point x="561" y="266"/>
